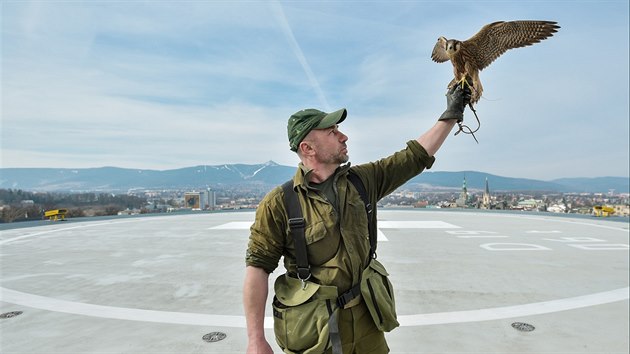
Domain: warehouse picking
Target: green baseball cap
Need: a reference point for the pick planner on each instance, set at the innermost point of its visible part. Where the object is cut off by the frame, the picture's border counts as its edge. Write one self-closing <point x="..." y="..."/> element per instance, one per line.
<point x="302" y="122"/>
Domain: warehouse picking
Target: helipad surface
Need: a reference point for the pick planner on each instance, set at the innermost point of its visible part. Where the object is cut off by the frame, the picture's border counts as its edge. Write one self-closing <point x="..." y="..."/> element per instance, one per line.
<point x="159" y="284"/>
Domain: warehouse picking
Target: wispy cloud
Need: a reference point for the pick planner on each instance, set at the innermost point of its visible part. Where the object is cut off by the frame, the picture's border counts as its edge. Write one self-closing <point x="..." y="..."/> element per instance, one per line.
<point x="286" y="28"/>
<point x="169" y="84"/>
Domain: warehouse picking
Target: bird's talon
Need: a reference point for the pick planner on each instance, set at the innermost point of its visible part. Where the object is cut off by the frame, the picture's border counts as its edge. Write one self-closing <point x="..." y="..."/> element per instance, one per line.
<point x="463" y="83"/>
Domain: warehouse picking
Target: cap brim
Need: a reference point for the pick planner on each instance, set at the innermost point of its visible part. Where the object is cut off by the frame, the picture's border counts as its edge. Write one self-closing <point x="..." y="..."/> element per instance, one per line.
<point x="332" y="118"/>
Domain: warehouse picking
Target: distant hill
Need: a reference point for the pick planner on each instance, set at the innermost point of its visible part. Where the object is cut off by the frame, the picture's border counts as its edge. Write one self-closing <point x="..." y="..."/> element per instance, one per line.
<point x="477" y="180"/>
<point x="619" y="184"/>
<point x="269" y="174"/>
<point x="123" y="179"/>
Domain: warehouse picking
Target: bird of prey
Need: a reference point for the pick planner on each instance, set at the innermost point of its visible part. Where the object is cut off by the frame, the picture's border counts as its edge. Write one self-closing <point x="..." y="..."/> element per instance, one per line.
<point x="473" y="55"/>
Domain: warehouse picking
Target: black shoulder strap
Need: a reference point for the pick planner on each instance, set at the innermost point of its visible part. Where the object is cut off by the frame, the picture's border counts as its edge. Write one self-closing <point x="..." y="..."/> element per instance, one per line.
<point x="358" y="184"/>
<point x="296" y="225"/>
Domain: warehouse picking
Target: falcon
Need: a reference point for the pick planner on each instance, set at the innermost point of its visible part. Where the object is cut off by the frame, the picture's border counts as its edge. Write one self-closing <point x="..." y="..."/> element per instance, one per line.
<point x="473" y="55"/>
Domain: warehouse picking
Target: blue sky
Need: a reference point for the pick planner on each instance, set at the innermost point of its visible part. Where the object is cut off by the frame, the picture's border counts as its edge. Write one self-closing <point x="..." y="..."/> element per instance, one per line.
<point x="162" y="85"/>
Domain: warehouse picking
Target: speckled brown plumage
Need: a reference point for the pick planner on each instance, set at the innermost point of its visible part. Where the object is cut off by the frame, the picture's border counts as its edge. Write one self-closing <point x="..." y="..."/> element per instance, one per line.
<point x="473" y="55"/>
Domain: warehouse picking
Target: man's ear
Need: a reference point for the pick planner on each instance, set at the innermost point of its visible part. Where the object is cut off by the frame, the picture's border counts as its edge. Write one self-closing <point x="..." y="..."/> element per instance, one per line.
<point x="306" y="148"/>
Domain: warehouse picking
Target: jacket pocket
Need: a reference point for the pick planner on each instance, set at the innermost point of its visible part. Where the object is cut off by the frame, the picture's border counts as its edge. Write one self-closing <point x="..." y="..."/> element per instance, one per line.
<point x="321" y="245"/>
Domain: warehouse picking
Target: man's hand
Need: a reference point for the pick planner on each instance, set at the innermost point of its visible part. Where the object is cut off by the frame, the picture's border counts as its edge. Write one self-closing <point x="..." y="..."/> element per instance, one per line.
<point x="456" y="100"/>
<point x="259" y="347"/>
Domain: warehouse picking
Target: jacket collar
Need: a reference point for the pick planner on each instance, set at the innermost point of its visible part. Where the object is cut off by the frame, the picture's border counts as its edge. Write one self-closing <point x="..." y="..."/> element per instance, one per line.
<point x="301" y="178"/>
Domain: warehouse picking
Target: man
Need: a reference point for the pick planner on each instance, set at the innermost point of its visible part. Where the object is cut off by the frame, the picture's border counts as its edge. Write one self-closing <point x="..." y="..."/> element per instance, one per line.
<point x="336" y="223"/>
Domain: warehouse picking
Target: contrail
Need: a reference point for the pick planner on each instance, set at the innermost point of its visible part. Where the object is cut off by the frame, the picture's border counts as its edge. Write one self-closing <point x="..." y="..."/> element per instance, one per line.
<point x="279" y="13"/>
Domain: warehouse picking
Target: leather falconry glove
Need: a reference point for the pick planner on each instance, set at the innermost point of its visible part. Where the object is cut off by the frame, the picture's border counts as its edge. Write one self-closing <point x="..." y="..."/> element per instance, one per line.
<point x="456" y="100"/>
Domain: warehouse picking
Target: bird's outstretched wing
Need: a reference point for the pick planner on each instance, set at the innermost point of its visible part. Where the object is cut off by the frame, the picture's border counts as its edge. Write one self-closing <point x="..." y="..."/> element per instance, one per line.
<point x="439" y="51"/>
<point x="496" y="38"/>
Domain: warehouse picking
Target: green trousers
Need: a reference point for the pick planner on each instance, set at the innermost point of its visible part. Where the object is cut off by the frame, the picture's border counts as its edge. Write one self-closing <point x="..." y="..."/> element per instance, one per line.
<point x="359" y="334"/>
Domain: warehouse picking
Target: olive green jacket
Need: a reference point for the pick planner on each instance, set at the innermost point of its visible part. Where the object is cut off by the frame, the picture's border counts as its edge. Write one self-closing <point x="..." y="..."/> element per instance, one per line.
<point x="337" y="241"/>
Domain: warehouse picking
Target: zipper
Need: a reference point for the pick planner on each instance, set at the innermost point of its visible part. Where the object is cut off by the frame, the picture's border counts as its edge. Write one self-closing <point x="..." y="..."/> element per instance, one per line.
<point x="378" y="310"/>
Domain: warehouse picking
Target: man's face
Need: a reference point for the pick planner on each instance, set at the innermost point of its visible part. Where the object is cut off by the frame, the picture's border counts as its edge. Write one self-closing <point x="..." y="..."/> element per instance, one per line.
<point x="329" y="145"/>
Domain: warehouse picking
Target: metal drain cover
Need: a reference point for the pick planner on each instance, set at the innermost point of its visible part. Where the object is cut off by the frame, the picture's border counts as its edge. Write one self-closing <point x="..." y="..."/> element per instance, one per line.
<point x="214" y="337"/>
<point x="523" y="327"/>
<point x="10" y="314"/>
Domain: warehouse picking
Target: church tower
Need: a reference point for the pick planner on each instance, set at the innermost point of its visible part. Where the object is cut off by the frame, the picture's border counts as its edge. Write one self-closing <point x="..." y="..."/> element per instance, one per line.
<point x="463" y="196"/>
<point x="485" y="203"/>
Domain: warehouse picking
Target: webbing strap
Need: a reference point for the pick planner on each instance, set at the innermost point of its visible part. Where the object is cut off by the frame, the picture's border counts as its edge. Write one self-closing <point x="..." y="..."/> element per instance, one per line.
<point x="358" y="184"/>
<point x="296" y="225"/>
<point x="349" y="295"/>
<point x="333" y="329"/>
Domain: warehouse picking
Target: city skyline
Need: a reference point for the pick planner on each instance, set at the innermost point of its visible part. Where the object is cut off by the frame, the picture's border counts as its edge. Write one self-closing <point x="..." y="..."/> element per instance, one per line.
<point x="166" y="85"/>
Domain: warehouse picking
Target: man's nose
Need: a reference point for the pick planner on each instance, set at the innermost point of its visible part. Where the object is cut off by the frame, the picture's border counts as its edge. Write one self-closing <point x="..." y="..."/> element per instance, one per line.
<point x="343" y="137"/>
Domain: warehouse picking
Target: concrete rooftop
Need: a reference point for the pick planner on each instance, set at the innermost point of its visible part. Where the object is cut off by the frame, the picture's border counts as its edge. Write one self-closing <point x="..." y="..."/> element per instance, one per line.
<point x="159" y="284"/>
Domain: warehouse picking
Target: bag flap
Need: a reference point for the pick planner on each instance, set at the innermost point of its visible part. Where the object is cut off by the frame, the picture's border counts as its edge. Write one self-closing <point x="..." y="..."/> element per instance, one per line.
<point x="378" y="267"/>
<point x="291" y="291"/>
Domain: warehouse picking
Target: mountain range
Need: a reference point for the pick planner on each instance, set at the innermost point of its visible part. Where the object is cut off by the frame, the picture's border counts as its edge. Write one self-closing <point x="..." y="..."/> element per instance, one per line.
<point x="268" y="174"/>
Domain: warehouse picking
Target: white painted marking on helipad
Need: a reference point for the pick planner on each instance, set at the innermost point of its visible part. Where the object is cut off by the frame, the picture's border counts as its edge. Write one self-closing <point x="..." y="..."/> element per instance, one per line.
<point x="122" y="313"/>
<point x="245" y="225"/>
<point x="82" y="226"/>
<point x="384" y="224"/>
<point x="574" y="239"/>
<point x="469" y="232"/>
<point x="603" y="247"/>
<point x="543" y="232"/>
<point x="497" y="313"/>
<point x="560" y="220"/>
<point x="416" y="225"/>
<point x="483" y="236"/>
<point x="513" y="247"/>
<point x="234" y="225"/>
<point x="119" y="313"/>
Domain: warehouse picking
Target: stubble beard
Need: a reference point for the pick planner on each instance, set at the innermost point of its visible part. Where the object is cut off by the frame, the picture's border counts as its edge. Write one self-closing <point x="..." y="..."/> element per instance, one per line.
<point x="341" y="158"/>
<point x="337" y="158"/>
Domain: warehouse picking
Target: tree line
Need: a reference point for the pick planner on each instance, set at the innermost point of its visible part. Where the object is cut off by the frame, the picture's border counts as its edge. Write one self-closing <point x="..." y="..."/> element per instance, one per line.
<point x="19" y="205"/>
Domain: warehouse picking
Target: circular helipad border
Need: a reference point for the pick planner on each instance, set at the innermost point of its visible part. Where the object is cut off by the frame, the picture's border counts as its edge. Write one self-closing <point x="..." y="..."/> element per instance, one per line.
<point x="51" y="304"/>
